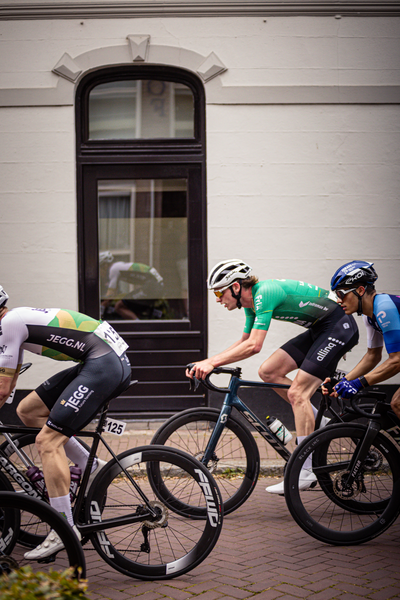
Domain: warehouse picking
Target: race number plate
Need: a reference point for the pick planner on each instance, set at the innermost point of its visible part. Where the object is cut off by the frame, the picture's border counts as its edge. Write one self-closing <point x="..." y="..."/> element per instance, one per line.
<point x="109" y="335"/>
<point x="114" y="426"/>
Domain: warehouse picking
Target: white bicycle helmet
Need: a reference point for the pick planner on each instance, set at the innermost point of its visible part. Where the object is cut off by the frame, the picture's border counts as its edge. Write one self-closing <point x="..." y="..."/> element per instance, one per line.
<point x="3" y="297"/>
<point x="105" y="257"/>
<point x="226" y="272"/>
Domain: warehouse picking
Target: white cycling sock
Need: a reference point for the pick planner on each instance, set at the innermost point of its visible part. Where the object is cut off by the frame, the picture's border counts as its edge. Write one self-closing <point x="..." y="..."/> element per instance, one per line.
<point x="308" y="462"/>
<point x="78" y="454"/>
<point x="63" y="505"/>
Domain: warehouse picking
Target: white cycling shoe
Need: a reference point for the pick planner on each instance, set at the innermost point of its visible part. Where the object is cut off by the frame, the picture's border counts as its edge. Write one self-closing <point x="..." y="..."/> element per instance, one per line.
<point x="306" y="479"/>
<point x="51" y="545"/>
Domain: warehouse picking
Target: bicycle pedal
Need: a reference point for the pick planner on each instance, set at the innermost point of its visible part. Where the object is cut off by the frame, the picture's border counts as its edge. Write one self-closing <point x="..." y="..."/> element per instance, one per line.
<point x="48" y="559"/>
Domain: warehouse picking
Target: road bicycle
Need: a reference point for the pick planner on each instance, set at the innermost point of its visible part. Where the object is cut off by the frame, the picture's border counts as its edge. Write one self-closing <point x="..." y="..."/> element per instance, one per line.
<point x="358" y="473"/>
<point x="224" y="444"/>
<point x="151" y="512"/>
<point x="15" y="508"/>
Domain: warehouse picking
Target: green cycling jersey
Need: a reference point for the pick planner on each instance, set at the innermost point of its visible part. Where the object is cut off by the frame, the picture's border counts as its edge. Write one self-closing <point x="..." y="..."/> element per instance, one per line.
<point x="287" y="300"/>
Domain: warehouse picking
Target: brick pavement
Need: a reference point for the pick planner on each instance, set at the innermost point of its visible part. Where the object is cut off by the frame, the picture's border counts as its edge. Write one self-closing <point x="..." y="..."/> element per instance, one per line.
<point x="261" y="554"/>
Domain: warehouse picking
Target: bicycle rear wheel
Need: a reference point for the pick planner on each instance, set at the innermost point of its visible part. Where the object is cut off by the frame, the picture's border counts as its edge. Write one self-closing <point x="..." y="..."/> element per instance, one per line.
<point x="235" y="463"/>
<point x="331" y="512"/>
<point x="47" y="518"/>
<point x="172" y="544"/>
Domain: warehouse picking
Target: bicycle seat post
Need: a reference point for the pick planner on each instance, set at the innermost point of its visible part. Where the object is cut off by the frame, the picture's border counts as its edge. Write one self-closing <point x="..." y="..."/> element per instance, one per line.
<point x="102" y="418"/>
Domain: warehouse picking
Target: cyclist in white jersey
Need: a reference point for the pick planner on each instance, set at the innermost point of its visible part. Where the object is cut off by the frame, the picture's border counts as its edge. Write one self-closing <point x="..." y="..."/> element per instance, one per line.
<point x="69" y="400"/>
<point x="354" y="285"/>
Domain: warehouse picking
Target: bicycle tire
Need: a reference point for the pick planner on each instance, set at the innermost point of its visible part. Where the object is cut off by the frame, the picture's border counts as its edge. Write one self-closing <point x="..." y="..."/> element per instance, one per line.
<point x="28" y="535"/>
<point x="9" y="520"/>
<point x="236" y="465"/>
<point x="50" y="517"/>
<point x="172" y="545"/>
<point x="317" y="511"/>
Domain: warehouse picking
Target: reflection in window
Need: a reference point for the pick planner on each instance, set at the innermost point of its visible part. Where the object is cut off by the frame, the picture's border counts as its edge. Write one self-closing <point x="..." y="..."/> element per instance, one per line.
<point x="141" y="109"/>
<point x="143" y="249"/>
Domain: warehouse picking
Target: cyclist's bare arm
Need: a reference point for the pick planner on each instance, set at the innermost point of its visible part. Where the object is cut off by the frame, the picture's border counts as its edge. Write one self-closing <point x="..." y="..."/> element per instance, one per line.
<point x="368" y="362"/>
<point x="7" y="384"/>
<point x="247" y="346"/>
<point x="389" y="368"/>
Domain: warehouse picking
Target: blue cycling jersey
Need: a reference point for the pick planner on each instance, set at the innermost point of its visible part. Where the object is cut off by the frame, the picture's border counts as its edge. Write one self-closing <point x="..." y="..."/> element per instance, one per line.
<point x="386" y="319"/>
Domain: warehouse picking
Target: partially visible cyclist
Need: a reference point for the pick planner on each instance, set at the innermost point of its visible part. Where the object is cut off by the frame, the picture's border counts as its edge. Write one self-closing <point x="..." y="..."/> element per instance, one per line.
<point x="315" y="353"/>
<point x="68" y="401"/>
<point x="354" y="285"/>
<point x="148" y="287"/>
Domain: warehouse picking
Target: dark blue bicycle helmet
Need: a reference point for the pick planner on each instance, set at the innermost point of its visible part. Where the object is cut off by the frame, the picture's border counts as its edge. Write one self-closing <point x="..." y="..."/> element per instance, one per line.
<point x="355" y="273"/>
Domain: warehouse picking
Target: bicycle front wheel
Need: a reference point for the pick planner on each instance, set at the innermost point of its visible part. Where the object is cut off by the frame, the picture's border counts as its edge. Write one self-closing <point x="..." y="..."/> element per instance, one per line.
<point x="235" y="462"/>
<point x="333" y="512"/>
<point x="47" y="518"/>
<point x="174" y="542"/>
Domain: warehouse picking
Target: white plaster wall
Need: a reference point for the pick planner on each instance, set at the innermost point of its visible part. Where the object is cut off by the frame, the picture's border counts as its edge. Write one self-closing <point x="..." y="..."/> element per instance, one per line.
<point x="294" y="190"/>
<point x="38" y="214"/>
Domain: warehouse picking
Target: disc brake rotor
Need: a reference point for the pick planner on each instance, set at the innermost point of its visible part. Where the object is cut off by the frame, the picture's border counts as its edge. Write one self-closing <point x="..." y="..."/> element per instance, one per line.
<point x="212" y="463"/>
<point x="374" y="460"/>
<point x="343" y="490"/>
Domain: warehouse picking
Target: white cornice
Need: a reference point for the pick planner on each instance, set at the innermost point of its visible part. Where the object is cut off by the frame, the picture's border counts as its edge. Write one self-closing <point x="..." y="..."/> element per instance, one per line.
<point x="109" y="9"/>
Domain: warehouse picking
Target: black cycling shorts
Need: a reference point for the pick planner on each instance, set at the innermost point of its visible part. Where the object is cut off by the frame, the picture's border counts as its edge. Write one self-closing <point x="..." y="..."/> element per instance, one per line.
<point x="318" y="350"/>
<point x="74" y="396"/>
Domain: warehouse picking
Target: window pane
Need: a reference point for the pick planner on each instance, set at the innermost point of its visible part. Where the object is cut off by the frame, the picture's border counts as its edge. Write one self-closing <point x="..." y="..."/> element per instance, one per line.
<point x="143" y="249"/>
<point x="141" y="109"/>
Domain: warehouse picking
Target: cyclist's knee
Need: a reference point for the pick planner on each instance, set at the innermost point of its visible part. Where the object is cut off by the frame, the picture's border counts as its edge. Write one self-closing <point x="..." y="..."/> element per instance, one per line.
<point x="49" y="441"/>
<point x="297" y="397"/>
<point x="268" y="375"/>
<point x="32" y="411"/>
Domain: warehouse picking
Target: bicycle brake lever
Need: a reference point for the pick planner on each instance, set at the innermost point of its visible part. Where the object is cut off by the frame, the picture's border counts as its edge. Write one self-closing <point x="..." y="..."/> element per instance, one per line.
<point x="194" y="384"/>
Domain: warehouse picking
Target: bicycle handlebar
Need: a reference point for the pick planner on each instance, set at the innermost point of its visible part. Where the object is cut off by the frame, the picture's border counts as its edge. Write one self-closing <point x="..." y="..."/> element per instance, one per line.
<point x="378" y="396"/>
<point x="233" y="372"/>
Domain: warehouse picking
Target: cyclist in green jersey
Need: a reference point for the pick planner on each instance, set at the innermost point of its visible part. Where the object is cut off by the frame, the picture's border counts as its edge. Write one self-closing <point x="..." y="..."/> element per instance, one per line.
<point x="330" y="333"/>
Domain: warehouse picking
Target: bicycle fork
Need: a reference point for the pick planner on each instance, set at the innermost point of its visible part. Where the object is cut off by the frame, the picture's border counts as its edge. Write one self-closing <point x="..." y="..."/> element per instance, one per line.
<point x="224" y="415"/>
<point x="360" y="454"/>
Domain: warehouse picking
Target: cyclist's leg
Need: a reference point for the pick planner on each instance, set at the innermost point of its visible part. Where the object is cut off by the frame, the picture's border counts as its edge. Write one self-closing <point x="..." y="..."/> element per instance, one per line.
<point x="395" y="403"/>
<point x="32" y="411"/>
<point x="331" y="339"/>
<point x="276" y="368"/>
<point x="302" y="389"/>
<point x="285" y="360"/>
<point x="50" y="444"/>
<point x="96" y="382"/>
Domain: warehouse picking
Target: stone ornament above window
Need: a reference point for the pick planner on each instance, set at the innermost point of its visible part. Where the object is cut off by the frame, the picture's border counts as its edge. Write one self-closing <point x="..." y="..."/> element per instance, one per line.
<point x="139" y="47"/>
<point x="141" y="51"/>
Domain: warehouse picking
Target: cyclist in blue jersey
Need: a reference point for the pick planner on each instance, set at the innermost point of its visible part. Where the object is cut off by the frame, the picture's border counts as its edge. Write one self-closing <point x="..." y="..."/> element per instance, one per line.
<point x="354" y="285"/>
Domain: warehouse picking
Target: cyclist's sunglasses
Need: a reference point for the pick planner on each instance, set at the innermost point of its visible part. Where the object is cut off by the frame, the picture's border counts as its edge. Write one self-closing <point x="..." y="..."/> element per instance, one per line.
<point x="219" y="293"/>
<point x="342" y="293"/>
